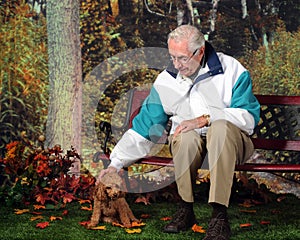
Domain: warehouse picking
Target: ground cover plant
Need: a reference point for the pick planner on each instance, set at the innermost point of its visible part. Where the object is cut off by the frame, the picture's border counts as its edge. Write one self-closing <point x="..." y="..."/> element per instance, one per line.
<point x="278" y="219"/>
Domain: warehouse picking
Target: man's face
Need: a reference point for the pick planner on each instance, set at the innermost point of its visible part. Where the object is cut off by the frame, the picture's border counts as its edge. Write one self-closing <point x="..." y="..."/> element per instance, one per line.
<point x="185" y="61"/>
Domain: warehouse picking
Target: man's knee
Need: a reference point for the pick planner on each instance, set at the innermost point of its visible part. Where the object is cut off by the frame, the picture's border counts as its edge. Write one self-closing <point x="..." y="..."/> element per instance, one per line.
<point x="222" y="128"/>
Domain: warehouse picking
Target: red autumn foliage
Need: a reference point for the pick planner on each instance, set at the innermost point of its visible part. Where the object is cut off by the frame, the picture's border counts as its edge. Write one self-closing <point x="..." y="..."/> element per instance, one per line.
<point x="41" y="175"/>
<point x="42" y="225"/>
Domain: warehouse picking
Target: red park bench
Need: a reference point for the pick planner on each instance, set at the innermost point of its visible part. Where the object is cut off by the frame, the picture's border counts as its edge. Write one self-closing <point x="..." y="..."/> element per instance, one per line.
<point x="278" y="130"/>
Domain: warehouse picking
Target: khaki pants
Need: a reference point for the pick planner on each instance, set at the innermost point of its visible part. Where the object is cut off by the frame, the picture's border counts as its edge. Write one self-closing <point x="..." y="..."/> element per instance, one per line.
<point x="225" y="145"/>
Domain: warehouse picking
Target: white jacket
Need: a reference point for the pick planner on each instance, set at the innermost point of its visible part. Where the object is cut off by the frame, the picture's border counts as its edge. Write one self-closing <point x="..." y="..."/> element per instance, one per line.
<point x="222" y="89"/>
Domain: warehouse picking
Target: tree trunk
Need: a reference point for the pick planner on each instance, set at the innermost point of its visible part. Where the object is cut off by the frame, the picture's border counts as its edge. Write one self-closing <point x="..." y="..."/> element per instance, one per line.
<point x="185" y="13"/>
<point x="65" y="75"/>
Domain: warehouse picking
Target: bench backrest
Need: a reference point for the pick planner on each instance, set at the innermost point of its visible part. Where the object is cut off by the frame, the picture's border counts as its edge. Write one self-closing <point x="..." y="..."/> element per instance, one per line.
<point x="279" y="126"/>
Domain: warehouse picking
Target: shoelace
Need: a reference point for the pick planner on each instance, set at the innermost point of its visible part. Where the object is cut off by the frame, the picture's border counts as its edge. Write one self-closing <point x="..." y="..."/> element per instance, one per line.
<point x="180" y="215"/>
<point x="218" y="226"/>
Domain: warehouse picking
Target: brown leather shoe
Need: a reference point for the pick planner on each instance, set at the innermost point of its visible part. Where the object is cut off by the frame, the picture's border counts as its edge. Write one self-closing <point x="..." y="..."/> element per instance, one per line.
<point x="218" y="229"/>
<point x="183" y="219"/>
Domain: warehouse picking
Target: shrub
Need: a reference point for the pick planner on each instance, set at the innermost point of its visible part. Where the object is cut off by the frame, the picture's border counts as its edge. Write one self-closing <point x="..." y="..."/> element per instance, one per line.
<point x="31" y="173"/>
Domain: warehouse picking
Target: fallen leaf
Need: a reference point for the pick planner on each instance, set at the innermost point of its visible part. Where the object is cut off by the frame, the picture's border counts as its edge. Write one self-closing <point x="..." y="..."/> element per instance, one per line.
<point x="82" y="201"/>
<point x="142" y="200"/>
<point x="90" y="208"/>
<point x="42" y="225"/>
<point x="245" y="225"/>
<point x="247" y="210"/>
<point x="115" y="224"/>
<point x="197" y="228"/>
<point x="166" y="218"/>
<point x="145" y="216"/>
<point x="136" y="230"/>
<point x="36" y="218"/>
<point x="65" y="212"/>
<point x="246" y="204"/>
<point x="84" y="223"/>
<point x="53" y="218"/>
<point x="98" y="228"/>
<point x="137" y="224"/>
<point x="21" y="211"/>
<point x="37" y="207"/>
<point x="265" y="222"/>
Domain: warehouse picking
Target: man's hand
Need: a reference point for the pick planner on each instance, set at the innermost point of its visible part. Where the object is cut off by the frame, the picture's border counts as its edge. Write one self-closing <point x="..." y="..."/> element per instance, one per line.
<point x="191" y="124"/>
<point x="105" y="171"/>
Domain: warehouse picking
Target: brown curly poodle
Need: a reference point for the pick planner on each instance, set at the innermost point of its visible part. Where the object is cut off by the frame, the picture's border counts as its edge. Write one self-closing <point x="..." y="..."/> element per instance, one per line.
<point x="110" y="205"/>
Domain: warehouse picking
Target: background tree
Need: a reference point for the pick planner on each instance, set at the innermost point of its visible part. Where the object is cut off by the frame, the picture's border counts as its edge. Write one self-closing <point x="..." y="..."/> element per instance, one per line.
<point x="23" y="73"/>
<point x="65" y="74"/>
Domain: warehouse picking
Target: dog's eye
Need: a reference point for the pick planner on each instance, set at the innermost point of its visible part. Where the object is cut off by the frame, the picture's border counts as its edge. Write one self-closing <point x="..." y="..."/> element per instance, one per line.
<point x="109" y="188"/>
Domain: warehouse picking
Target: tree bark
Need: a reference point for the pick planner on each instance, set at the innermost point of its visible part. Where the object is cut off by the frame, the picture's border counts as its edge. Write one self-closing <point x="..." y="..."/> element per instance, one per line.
<point x="65" y="75"/>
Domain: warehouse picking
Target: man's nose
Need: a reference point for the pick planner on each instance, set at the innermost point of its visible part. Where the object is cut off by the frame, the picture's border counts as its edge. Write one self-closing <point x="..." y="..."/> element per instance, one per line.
<point x="176" y="63"/>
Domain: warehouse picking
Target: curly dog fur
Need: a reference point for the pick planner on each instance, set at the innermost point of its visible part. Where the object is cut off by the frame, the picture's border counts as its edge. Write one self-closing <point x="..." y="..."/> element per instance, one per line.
<point x="110" y="205"/>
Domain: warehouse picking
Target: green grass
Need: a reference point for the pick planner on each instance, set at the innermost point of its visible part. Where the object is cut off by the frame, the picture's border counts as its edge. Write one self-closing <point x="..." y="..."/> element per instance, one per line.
<point x="284" y="224"/>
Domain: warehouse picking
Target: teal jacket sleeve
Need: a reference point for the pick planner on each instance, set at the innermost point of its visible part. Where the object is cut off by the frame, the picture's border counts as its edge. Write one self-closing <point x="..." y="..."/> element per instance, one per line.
<point x="243" y="97"/>
<point x="152" y="119"/>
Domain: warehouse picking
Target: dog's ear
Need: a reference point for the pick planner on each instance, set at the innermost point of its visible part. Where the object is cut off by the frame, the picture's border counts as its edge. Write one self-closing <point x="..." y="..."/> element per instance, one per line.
<point x="122" y="194"/>
<point x="100" y="192"/>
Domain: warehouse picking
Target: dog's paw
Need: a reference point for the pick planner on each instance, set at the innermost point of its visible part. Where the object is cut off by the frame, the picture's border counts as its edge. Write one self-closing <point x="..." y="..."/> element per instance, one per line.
<point x="127" y="225"/>
<point x="91" y="225"/>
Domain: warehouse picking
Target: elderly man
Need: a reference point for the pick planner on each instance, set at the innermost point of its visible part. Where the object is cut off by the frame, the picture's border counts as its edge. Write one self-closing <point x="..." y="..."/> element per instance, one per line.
<point x="213" y="111"/>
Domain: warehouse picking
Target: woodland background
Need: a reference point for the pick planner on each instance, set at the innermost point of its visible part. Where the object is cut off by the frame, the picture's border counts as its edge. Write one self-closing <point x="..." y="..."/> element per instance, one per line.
<point x="263" y="34"/>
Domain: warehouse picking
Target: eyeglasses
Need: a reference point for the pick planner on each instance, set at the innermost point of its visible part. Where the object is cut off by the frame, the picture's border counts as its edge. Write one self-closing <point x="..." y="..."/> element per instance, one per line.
<point x="183" y="60"/>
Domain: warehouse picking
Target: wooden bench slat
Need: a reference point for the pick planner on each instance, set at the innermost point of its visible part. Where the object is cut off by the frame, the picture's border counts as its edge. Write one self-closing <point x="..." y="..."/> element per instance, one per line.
<point x="278" y="100"/>
<point x="276" y="144"/>
<point x="268" y="167"/>
<point x="251" y="167"/>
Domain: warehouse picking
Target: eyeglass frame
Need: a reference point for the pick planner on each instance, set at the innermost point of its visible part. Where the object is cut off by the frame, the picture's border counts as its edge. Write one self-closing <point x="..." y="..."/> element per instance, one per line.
<point x="182" y="61"/>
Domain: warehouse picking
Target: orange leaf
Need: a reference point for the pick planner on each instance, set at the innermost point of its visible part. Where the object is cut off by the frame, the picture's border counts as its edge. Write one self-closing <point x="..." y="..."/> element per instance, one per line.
<point x="98" y="228"/>
<point x="166" y="218"/>
<point x="137" y="224"/>
<point x="68" y="197"/>
<point x="117" y="224"/>
<point x="36" y="218"/>
<point x="197" y="228"/>
<point x="52" y="218"/>
<point x="90" y="208"/>
<point x="142" y="200"/>
<point x="246" y="204"/>
<point x="21" y="211"/>
<point x="42" y="225"/>
<point x="37" y="207"/>
<point x="65" y="213"/>
<point x="136" y="230"/>
<point x="82" y="201"/>
<point x="244" y="225"/>
<point x="265" y="222"/>
<point x="84" y="223"/>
